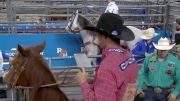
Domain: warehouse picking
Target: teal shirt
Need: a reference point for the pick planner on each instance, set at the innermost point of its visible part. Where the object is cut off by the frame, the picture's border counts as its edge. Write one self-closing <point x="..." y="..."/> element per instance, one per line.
<point x="160" y="74"/>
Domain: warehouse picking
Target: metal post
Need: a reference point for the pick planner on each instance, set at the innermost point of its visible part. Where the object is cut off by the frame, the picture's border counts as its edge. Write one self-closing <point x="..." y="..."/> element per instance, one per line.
<point x="14" y="19"/>
<point x="47" y="3"/>
<point x="8" y="7"/>
<point x="67" y="7"/>
<point x="85" y="3"/>
<point x="103" y="3"/>
<point x="27" y="94"/>
<point x="11" y="15"/>
<point x="166" y="12"/>
<point x="173" y="32"/>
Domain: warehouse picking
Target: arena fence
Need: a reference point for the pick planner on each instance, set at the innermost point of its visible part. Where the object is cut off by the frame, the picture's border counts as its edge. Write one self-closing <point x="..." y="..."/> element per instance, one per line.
<point x="140" y="13"/>
<point x="65" y="79"/>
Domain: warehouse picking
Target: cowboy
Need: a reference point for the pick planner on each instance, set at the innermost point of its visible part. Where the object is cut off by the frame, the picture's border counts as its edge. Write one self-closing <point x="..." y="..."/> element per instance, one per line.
<point x="177" y="34"/>
<point x="158" y="73"/>
<point x="178" y="24"/>
<point x="111" y="7"/>
<point x="144" y="46"/>
<point x="112" y="77"/>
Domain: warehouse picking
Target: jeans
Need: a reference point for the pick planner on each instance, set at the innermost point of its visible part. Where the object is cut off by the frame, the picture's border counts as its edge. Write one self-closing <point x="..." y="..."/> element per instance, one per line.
<point x="150" y="95"/>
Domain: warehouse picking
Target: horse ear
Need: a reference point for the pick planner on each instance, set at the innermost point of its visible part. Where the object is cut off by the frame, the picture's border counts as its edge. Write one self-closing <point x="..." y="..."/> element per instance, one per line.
<point x="39" y="48"/>
<point x="21" y="50"/>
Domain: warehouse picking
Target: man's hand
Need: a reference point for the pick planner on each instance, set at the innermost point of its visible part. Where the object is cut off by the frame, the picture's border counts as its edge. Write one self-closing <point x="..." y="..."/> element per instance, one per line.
<point x="171" y="97"/>
<point x="146" y="54"/>
<point x="90" y="80"/>
<point x="81" y="76"/>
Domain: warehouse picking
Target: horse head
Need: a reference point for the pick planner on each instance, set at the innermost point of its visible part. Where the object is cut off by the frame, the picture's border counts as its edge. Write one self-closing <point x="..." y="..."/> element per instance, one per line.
<point x="28" y="69"/>
<point x="77" y="22"/>
<point x="19" y="65"/>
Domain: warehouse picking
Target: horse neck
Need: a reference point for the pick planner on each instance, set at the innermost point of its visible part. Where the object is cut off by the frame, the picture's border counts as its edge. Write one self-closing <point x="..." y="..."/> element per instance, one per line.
<point x="86" y="36"/>
<point x="82" y="22"/>
<point x="38" y="73"/>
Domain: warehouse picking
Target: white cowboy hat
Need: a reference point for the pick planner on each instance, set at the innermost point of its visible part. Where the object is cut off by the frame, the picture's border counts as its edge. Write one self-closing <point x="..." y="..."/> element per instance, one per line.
<point x="148" y="34"/>
<point x="163" y="44"/>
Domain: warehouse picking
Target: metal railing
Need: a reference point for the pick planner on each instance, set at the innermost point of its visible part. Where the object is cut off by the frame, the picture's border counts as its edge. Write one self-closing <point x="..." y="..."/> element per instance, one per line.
<point x="72" y="92"/>
<point x="147" y="11"/>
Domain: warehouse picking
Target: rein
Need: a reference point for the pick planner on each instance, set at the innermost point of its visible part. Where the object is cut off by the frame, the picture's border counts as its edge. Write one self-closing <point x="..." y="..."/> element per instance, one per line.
<point x="69" y="27"/>
<point x="47" y="85"/>
<point x="89" y="42"/>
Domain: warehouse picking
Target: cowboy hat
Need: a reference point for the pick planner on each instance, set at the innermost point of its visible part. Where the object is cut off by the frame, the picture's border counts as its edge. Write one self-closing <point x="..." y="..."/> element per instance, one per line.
<point x="148" y="34"/>
<point x="112" y="24"/>
<point x="163" y="44"/>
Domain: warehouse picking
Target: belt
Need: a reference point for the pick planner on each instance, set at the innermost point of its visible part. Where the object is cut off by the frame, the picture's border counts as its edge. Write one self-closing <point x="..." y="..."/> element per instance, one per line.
<point x="158" y="89"/>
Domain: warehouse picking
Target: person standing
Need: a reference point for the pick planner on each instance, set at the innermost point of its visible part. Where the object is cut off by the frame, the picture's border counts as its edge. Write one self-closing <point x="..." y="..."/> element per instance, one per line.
<point x="117" y="71"/>
<point x="160" y="74"/>
<point x="145" y="46"/>
<point x="112" y="7"/>
<point x="178" y="24"/>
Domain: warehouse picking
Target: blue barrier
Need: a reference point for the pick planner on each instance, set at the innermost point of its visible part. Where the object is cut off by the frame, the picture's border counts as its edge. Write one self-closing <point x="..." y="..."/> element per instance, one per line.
<point x="33" y="25"/>
<point x="55" y="43"/>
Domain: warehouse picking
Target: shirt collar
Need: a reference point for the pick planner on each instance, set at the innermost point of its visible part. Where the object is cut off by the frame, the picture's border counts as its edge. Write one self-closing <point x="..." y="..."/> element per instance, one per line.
<point x="105" y="50"/>
<point x="111" y="3"/>
<point x="166" y="57"/>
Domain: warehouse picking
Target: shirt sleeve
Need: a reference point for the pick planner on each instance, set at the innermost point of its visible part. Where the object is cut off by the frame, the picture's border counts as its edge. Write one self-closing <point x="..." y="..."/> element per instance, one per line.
<point x="142" y="74"/>
<point x="138" y="50"/>
<point x="176" y="91"/>
<point x="105" y="88"/>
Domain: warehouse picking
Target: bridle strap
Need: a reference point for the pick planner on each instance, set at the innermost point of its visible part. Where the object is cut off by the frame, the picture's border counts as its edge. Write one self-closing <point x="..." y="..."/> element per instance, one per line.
<point x="89" y="42"/>
<point x="69" y="26"/>
<point x="19" y="73"/>
<point x="70" y="29"/>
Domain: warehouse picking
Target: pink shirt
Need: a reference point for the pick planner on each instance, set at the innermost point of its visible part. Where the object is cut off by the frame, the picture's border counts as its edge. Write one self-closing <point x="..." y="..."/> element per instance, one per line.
<point x="116" y="69"/>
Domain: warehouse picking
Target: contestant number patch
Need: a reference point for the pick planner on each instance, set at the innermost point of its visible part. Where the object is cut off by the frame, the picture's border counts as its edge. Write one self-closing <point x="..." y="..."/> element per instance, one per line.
<point x="127" y="62"/>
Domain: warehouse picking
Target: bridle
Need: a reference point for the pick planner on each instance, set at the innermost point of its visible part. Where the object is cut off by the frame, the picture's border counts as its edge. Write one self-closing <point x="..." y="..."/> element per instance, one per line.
<point x="18" y="73"/>
<point x="91" y="42"/>
<point x="70" y="25"/>
<point x="73" y="31"/>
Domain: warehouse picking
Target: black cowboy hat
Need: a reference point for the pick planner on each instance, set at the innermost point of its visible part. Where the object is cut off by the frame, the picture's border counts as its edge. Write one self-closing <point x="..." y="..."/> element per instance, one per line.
<point x="112" y="24"/>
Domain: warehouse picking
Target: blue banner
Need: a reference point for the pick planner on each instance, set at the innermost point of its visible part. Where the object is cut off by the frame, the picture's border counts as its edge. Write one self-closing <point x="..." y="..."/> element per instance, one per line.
<point x="56" y="45"/>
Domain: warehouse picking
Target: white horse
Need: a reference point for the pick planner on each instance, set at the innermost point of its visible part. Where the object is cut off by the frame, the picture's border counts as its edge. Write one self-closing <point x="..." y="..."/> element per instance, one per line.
<point x="77" y="22"/>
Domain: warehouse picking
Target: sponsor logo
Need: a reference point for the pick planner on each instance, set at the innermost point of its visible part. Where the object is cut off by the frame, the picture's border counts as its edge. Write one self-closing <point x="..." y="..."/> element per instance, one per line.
<point x="62" y="52"/>
<point x="12" y="52"/>
<point x="127" y="62"/>
<point x="151" y="68"/>
<point x="114" y="33"/>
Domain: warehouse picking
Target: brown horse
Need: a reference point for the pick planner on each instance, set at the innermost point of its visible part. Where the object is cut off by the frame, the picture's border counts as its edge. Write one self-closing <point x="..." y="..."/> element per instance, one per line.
<point x="28" y="69"/>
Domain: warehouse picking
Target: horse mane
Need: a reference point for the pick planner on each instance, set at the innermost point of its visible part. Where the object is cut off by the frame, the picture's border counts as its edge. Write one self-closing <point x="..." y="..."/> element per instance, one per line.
<point x="40" y="61"/>
<point x="84" y="21"/>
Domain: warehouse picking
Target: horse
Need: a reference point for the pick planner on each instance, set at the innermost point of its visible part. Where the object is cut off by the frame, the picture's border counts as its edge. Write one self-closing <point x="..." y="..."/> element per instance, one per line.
<point x="76" y="24"/>
<point x="91" y="42"/>
<point x="29" y="70"/>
